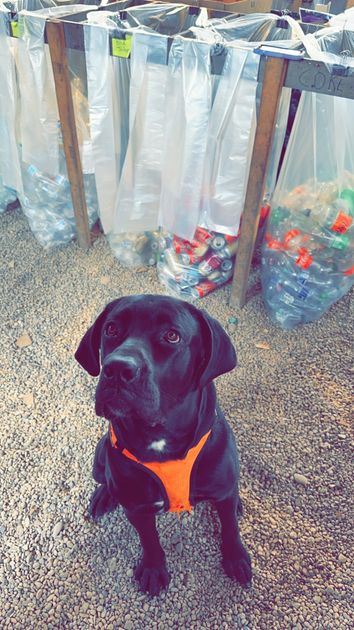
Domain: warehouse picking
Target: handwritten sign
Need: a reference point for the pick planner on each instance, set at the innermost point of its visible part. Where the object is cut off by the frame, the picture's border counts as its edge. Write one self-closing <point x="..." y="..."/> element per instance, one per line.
<point x="314" y="76"/>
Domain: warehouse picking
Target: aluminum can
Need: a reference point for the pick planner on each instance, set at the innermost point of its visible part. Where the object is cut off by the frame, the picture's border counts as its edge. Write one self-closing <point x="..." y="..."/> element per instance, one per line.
<point x="209" y="264"/>
<point x="218" y="243"/>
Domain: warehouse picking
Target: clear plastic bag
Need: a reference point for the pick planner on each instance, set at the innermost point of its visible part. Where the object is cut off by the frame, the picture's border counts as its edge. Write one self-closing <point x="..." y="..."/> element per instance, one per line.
<point x="230" y="141"/>
<point x="192" y="269"/>
<point x="127" y="108"/>
<point x="46" y="195"/>
<point x="137" y="201"/>
<point x="211" y="117"/>
<point x="255" y="27"/>
<point x="39" y="118"/>
<point x="48" y="206"/>
<point x="10" y="171"/>
<point x="138" y="196"/>
<point x="108" y="80"/>
<point x="308" y="251"/>
<point x="188" y="105"/>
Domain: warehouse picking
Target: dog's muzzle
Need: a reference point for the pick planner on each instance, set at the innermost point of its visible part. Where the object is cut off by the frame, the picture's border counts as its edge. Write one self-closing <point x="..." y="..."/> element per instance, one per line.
<point x="121" y="370"/>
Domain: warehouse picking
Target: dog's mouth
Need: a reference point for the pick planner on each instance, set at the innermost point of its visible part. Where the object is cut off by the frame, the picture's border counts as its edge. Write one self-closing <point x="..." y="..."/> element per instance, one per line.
<point x="125" y="408"/>
<point x="128" y="416"/>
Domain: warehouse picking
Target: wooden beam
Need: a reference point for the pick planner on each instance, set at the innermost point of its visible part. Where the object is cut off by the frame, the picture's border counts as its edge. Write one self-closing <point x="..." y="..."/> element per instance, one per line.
<point x="271" y="90"/>
<point x="56" y="41"/>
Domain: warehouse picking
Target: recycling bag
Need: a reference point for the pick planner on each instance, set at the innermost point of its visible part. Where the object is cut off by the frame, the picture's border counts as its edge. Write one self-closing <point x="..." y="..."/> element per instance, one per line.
<point x="308" y="250"/>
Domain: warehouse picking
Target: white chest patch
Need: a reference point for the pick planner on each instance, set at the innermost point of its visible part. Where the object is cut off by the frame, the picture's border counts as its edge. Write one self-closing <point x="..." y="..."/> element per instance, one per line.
<point x="158" y="445"/>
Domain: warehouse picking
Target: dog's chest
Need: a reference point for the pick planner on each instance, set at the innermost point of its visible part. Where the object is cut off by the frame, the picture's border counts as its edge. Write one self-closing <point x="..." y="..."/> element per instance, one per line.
<point x="162" y="485"/>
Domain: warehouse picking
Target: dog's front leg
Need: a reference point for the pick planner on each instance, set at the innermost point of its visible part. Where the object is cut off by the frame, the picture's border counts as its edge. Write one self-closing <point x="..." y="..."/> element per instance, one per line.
<point x="235" y="558"/>
<point x="151" y="571"/>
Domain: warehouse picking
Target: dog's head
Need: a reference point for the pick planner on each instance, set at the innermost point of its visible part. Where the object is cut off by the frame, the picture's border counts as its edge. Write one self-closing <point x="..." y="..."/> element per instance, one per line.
<point x="150" y="352"/>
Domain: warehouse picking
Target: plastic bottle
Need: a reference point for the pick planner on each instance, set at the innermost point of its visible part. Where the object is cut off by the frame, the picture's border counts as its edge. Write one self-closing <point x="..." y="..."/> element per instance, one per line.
<point x="348" y="195"/>
<point x="44" y="184"/>
<point x="336" y="217"/>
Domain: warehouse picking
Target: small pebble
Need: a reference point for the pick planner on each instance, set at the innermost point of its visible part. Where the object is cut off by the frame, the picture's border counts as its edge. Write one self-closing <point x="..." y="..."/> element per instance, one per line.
<point x="301" y="479"/>
<point x="57" y="529"/>
<point x="342" y="559"/>
<point x="24" y="341"/>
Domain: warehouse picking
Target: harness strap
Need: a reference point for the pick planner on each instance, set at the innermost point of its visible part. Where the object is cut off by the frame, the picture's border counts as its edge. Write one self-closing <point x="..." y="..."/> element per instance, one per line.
<point x="175" y="475"/>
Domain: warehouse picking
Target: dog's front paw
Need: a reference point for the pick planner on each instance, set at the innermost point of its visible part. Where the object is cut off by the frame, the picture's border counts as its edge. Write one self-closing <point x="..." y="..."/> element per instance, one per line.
<point x="101" y="502"/>
<point x="152" y="577"/>
<point x="237" y="564"/>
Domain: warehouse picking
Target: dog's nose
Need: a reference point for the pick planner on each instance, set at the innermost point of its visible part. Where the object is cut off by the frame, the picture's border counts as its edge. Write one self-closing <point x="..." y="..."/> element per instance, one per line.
<point x="125" y="370"/>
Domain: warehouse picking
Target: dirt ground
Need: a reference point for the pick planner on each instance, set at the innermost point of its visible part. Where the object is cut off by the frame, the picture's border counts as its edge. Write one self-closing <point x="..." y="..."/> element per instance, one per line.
<point x="289" y="404"/>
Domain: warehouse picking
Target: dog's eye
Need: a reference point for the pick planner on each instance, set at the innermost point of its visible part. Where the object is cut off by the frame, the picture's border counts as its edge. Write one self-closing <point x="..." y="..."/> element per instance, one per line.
<point x="172" y="336"/>
<point x="111" y="330"/>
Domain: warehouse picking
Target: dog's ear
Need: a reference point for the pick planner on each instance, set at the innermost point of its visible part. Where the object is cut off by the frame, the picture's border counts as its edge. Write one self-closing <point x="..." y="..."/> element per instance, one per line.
<point x="88" y="351"/>
<point x="220" y="354"/>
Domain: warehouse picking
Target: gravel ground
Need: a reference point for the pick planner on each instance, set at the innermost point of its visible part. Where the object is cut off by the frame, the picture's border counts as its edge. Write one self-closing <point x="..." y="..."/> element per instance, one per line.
<point x="288" y="403"/>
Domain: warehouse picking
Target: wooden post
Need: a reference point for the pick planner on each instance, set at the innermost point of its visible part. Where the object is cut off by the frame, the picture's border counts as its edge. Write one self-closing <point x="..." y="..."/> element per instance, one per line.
<point x="56" y="41"/>
<point x="296" y="5"/>
<point x="275" y="71"/>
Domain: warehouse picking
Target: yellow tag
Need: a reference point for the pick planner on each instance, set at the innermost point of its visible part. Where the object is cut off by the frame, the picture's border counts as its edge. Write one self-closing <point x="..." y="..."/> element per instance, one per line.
<point x="122" y="47"/>
<point x="15" y="27"/>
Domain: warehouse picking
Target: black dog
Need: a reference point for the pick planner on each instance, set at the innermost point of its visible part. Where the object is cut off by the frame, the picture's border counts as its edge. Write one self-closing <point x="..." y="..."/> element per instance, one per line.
<point x="169" y="445"/>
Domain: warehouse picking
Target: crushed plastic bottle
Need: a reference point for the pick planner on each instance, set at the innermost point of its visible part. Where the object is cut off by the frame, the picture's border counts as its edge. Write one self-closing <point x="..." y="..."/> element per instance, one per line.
<point x="192" y="269"/>
<point x="308" y="254"/>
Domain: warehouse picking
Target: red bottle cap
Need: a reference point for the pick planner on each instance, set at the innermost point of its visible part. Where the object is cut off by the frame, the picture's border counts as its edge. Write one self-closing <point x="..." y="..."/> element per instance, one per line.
<point x="342" y="223"/>
<point x="349" y="272"/>
<point x="273" y="244"/>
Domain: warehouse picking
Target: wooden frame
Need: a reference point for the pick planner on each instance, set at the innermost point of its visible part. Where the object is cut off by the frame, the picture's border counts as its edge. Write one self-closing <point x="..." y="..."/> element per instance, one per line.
<point x="57" y="47"/>
<point x="271" y="91"/>
<point x="275" y="73"/>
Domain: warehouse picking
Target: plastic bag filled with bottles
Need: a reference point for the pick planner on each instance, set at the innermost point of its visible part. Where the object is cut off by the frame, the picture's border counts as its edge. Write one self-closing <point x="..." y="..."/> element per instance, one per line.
<point x="192" y="269"/>
<point x="308" y="249"/>
<point x="47" y="204"/>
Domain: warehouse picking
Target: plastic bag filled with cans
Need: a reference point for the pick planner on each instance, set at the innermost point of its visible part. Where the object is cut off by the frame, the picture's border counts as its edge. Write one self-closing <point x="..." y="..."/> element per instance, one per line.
<point x="192" y="269"/>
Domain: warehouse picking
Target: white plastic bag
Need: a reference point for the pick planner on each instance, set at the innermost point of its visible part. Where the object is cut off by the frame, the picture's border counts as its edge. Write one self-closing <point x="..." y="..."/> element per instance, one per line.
<point x="188" y="106"/>
<point x="39" y="119"/>
<point x="137" y="201"/>
<point x="230" y="140"/>
<point x="108" y="81"/>
<point x="10" y="171"/>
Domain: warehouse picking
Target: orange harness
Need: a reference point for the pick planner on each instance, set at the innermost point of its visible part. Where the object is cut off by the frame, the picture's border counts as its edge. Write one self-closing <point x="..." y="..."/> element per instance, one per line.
<point x="175" y="475"/>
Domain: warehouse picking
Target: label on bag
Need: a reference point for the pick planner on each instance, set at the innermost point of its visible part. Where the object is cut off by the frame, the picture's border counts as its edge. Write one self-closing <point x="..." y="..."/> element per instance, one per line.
<point x="16" y="29"/>
<point x="122" y="47"/>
